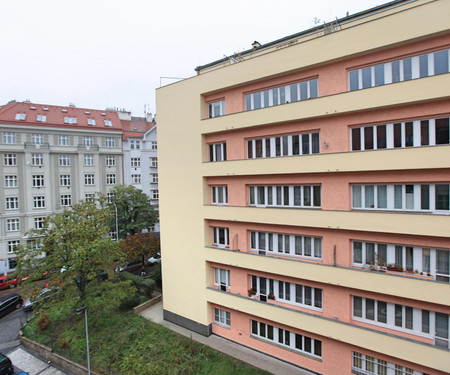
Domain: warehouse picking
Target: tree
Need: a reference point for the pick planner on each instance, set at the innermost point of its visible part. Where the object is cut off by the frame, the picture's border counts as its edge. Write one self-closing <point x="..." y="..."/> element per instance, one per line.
<point x="134" y="211"/>
<point x="76" y="239"/>
<point x="139" y="245"/>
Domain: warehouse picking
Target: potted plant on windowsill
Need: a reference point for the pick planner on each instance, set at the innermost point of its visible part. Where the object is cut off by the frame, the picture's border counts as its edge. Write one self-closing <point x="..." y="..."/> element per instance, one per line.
<point x="252" y="293"/>
<point x="271" y="296"/>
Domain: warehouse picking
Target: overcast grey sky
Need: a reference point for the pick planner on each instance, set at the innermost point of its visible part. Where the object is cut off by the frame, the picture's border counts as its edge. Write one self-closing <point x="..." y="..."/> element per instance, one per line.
<point x="112" y="53"/>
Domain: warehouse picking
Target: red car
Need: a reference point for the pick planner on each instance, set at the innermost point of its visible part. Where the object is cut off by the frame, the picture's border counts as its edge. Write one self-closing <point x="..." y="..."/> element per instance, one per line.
<point x="8" y="281"/>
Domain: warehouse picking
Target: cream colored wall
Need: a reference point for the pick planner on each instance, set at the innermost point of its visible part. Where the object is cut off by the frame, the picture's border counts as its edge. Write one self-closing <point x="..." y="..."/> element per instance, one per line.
<point x="183" y="187"/>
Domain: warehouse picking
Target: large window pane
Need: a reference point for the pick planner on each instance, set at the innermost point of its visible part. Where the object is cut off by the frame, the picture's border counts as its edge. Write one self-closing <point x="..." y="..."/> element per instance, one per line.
<point x="357" y="196"/>
<point x="442" y="131"/>
<point x="354" y="80"/>
<point x="425" y="197"/>
<point x="407" y="72"/>
<point x="370" y="309"/>
<point x="441" y="62"/>
<point x="423" y="62"/>
<point x="315" y="143"/>
<point x="398" y="135"/>
<point x="381" y="312"/>
<point x="381" y="136"/>
<point x="396" y="71"/>
<point x="442" y="197"/>
<point x="424" y="133"/>
<point x="382" y="196"/>
<point x="357" y="307"/>
<point x="357" y="252"/>
<point x="368" y="138"/>
<point x="366" y="78"/>
<point x="314" y="88"/>
<point x="379" y="75"/>
<point x="409" y="137"/>
<point x="356" y="139"/>
<point x="369" y="198"/>
<point x="398" y="196"/>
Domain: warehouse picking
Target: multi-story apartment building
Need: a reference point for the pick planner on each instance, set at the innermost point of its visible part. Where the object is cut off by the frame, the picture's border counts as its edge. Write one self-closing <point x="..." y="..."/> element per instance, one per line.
<point x="140" y="156"/>
<point x="312" y="220"/>
<point x="52" y="157"/>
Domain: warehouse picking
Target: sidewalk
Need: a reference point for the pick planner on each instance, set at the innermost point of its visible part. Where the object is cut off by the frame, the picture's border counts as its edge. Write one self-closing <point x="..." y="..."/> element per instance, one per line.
<point x="242" y="353"/>
<point x="23" y="360"/>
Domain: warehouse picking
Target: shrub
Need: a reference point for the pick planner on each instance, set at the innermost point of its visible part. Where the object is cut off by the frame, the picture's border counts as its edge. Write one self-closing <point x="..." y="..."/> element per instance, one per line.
<point x="144" y="286"/>
<point x="156" y="274"/>
<point x="42" y="322"/>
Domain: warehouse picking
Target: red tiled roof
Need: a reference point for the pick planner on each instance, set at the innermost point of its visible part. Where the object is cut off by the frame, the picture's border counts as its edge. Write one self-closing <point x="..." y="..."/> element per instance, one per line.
<point x="56" y="114"/>
<point x="136" y="127"/>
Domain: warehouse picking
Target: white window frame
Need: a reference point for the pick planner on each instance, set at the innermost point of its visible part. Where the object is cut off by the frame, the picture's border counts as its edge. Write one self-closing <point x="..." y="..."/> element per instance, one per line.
<point x="12" y="246"/>
<point x="88" y="160"/>
<point x="39" y="201"/>
<point x="11" y="181"/>
<point x="218" y="234"/>
<point x="13" y="225"/>
<point x="222" y="317"/>
<point x="37" y="138"/>
<point x="65" y="180"/>
<point x="154" y="178"/>
<point x="41" y="118"/>
<point x="37" y="159"/>
<point x="154" y="162"/>
<point x="91" y="121"/>
<point x="9" y="160"/>
<point x="135" y="144"/>
<point x="155" y="194"/>
<point x="39" y="222"/>
<point x="368" y="365"/>
<point x="64" y="160"/>
<point x="135" y="179"/>
<point x="110" y="179"/>
<point x="21" y="116"/>
<point x="38" y="180"/>
<point x="108" y="122"/>
<point x="135" y="162"/>
<point x="222" y="278"/>
<point x="110" y="142"/>
<point x="89" y="179"/>
<point x="65" y="200"/>
<point x="88" y="140"/>
<point x="70" y="120"/>
<point x="216" y="108"/>
<point x="296" y="196"/>
<point x="110" y="161"/>
<point x="11" y="203"/>
<point x="218" y="152"/>
<point x="63" y="140"/>
<point x="154" y="145"/>
<point x="219" y="195"/>
<point x="9" y="138"/>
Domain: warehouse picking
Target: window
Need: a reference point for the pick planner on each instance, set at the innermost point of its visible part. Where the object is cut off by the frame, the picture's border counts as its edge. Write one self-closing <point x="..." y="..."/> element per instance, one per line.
<point x="216" y="109"/>
<point x="12" y="246"/>
<point x="395" y="257"/>
<point x="281" y="95"/>
<point x="12" y="263"/>
<point x="37" y="159"/>
<point x="110" y="142"/>
<point x="41" y="118"/>
<point x="292" y="341"/>
<point x="70" y="120"/>
<point x="37" y="139"/>
<point x="64" y="180"/>
<point x="110" y="161"/>
<point x="88" y="160"/>
<point x="155" y="194"/>
<point x="89" y="179"/>
<point x="218" y="152"/>
<point x="154" y="177"/>
<point x="89" y="197"/>
<point x="135" y="162"/>
<point x="135" y="179"/>
<point x="9" y="138"/>
<point x="222" y="317"/>
<point x="9" y="160"/>
<point x="12" y="203"/>
<point x="88" y="140"/>
<point x="286" y="244"/>
<point x="154" y="145"/>
<point x="63" y="140"/>
<point x="154" y="162"/>
<point x="399" y="70"/>
<point x="219" y="195"/>
<point x="417" y="133"/>
<point x="135" y="144"/>
<point x="38" y="180"/>
<point x="302" y="196"/>
<point x="222" y="278"/>
<point x="12" y="225"/>
<point x="66" y="200"/>
<point x="11" y="181"/>
<point x="64" y="160"/>
<point x="39" y="201"/>
<point x="290" y="293"/>
<point x="415" y="197"/>
<point x="110" y="179"/>
<point x="109" y="197"/>
<point x="288" y="145"/>
<point x="220" y="237"/>
<point x="91" y="121"/>
<point x="367" y="365"/>
<point x="21" y="116"/>
<point x="108" y="123"/>
<point x="39" y="222"/>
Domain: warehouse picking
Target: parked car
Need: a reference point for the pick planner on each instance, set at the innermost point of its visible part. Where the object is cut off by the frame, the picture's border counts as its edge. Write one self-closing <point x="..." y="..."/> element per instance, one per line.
<point x="8" y="281"/>
<point x="9" y="303"/>
<point x="6" y="366"/>
<point x="39" y="297"/>
<point x="130" y="266"/>
<point x="155" y="259"/>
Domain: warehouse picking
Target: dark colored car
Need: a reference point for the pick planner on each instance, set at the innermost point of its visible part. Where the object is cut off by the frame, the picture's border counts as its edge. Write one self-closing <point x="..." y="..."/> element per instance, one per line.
<point x="9" y="303"/>
<point x="6" y="366"/>
<point x="8" y="282"/>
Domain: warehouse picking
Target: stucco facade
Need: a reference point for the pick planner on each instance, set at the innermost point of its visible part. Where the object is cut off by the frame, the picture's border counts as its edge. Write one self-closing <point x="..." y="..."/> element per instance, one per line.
<point x="312" y="222"/>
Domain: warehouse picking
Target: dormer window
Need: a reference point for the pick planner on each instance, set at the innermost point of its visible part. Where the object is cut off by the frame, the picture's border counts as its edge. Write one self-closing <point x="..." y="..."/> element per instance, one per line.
<point x="91" y="121"/>
<point x="108" y="123"/>
<point x="21" y="116"/>
<point x="70" y="120"/>
<point x="41" y="118"/>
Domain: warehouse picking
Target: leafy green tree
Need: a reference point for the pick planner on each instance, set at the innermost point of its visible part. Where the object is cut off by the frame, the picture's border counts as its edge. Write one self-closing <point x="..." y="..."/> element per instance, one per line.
<point x="139" y="245"/>
<point x="134" y="211"/>
<point x="76" y="239"/>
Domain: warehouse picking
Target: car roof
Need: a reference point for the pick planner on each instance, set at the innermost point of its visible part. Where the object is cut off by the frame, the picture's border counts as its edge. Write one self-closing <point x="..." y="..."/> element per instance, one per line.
<point x="8" y="296"/>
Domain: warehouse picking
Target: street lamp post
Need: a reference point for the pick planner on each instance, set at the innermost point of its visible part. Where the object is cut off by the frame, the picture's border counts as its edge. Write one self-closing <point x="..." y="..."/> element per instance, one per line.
<point x="79" y="311"/>
<point x="117" y="223"/>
